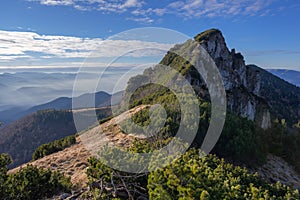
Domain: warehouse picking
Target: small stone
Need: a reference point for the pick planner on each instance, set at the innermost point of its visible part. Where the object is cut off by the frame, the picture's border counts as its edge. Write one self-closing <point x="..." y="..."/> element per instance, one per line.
<point x="64" y="196"/>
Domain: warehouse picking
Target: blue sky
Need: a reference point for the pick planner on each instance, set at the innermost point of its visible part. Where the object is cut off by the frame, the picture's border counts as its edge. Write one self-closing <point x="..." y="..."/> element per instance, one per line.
<point x="61" y="33"/>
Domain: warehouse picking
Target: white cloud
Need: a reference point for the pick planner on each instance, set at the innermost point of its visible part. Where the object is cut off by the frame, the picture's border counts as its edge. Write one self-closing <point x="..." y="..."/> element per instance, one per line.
<point x="215" y="8"/>
<point x="119" y="5"/>
<point x="144" y="20"/>
<point x="272" y="52"/>
<point x="149" y="11"/>
<point x="101" y="5"/>
<point x="14" y="45"/>
<point x="132" y="3"/>
<point x="184" y="8"/>
<point x="72" y="65"/>
<point x="256" y="7"/>
<point x="82" y="8"/>
<point x="57" y="2"/>
<point x="8" y="58"/>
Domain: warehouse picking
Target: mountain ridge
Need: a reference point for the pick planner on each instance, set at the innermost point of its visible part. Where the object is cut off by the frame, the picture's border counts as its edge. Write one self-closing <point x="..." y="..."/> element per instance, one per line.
<point x="102" y="99"/>
<point x="291" y="76"/>
<point x="245" y="86"/>
<point x="22" y="137"/>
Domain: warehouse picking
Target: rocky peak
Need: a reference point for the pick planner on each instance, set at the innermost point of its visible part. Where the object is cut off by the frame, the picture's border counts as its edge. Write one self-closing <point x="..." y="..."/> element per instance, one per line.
<point x="251" y="91"/>
<point x="231" y="64"/>
<point x="242" y="87"/>
<point x="206" y="35"/>
<point x="214" y="43"/>
<point x="248" y="89"/>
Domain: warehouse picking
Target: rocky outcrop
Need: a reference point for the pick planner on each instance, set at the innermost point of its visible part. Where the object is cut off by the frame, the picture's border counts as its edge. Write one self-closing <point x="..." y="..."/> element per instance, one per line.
<point x="266" y="120"/>
<point x="230" y="64"/>
<point x="251" y="91"/>
<point x="242" y="86"/>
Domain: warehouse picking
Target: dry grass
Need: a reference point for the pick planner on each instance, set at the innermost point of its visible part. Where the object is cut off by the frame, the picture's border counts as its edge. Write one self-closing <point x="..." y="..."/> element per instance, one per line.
<point x="72" y="161"/>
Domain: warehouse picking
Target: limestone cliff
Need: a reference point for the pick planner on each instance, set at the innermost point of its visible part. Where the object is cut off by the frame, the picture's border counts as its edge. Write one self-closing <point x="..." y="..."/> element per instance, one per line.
<point x="248" y="88"/>
<point x="242" y="86"/>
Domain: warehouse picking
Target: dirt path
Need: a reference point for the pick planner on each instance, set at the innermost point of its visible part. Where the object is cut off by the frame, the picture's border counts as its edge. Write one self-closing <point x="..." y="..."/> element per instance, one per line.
<point x="72" y="161"/>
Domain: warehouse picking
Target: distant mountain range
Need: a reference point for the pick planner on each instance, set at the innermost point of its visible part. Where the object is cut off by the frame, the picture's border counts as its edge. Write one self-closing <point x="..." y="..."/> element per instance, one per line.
<point x="102" y="99"/>
<point x="291" y="76"/>
<point x="26" y="89"/>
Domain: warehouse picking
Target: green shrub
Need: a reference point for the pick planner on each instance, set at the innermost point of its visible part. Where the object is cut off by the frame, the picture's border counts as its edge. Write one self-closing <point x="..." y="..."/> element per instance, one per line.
<point x="5" y="160"/>
<point x="112" y="182"/>
<point x="208" y="177"/>
<point x="30" y="182"/>
<point x="284" y="142"/>
<point x="241" y="142"/>
<point x="192" y="176"/>
<point x="52" y="147"/>
<point x="105" y="120"/>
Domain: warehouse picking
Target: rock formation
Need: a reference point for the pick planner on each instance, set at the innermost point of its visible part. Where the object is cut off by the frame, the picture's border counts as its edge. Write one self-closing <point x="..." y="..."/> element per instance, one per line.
<point x="248" y="89"/>
<point x="242" y="86"/>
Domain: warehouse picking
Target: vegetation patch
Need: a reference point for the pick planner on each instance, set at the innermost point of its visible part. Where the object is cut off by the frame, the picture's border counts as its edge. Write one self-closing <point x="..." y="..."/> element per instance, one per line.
<point x="30" y="182"/>
<point x="192" y="176"/>
<point x="52" y="147"/>
<point x="206" y="35"/>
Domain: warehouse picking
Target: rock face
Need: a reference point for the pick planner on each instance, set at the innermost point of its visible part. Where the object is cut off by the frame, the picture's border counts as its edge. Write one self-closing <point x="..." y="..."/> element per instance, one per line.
<point x="251" y="91"/>
<point x="230" y="64"/>
<point x="242" y="86"/>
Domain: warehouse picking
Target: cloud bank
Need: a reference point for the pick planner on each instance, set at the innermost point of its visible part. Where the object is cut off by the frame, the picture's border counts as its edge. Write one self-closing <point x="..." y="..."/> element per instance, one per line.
<point x="30" y="46"/>
<point x="142" y="11"/>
